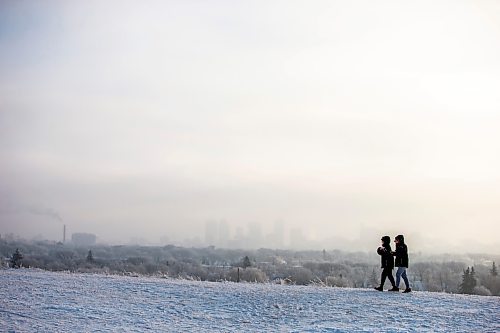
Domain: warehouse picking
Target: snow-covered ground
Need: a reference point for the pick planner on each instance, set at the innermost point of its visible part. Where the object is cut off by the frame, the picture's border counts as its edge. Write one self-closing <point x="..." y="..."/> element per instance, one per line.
<point x="39" y="301"/>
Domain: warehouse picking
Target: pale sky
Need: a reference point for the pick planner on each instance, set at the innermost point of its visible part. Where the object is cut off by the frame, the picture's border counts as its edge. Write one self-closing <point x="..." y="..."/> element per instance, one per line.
<point x="146" y="119"/>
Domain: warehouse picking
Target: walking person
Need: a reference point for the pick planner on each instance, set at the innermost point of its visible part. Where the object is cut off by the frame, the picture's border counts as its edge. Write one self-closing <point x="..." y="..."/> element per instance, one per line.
<point x="387" y="261"/>
<point x="401" y="263"/>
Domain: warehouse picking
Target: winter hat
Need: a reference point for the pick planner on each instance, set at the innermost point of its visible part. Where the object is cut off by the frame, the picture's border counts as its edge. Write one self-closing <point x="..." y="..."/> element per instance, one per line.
<point x="386" y="239"/>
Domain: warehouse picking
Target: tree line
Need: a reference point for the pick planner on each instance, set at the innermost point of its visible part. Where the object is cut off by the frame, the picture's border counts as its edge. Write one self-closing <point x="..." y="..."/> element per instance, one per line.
<point x="326" y="268"/>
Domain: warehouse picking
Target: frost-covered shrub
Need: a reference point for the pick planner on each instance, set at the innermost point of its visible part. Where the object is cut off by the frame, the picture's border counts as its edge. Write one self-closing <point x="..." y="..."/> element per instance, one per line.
<point x="301" y="275"/>
<point x="481" y="290"/>
<point x="334" y="281"/>
<point x="194" y="271"/>
<point x="32" y="262"/>
<point x="254" y="275"/>
<point x="137" y="260"/>
<point x="139" y="269"/>
<point x="56" y="266"/>
<point x="214" y="276"/>
<point x="249" y="274"/>
<point x="433" y="286"/>
<point x="93" y="269"/>
<point x="151" y="268"/>
<point x="492" y="283"/>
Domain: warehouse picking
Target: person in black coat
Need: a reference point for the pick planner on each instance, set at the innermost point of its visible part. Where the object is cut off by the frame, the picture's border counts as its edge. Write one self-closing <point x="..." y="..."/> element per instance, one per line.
<point x="387" y="262"/>
<point x="401" y="255"/>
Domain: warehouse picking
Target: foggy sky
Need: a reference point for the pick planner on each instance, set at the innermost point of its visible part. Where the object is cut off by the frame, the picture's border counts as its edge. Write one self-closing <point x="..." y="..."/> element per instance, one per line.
<point x="147" y="119"/>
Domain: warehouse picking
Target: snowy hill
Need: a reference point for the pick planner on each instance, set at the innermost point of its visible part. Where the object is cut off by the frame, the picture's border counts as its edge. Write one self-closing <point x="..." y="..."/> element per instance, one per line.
<point x="39" y="301"/>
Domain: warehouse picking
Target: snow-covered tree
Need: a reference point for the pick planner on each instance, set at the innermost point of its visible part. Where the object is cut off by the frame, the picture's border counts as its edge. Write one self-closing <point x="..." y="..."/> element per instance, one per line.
<point x="468" y="281"/>
<point x="494" y="271"/>
<point x="16" y="259"/>
<point x="90" y="256"/>
<point x="246" y="262"/>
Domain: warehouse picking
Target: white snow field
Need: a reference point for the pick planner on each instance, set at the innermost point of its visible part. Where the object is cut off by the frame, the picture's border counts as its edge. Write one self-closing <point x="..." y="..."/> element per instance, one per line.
<point x="39" y="301"/>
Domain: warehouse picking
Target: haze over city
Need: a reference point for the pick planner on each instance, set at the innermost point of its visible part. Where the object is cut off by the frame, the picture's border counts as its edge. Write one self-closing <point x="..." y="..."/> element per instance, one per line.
<point x="322" y="124"/>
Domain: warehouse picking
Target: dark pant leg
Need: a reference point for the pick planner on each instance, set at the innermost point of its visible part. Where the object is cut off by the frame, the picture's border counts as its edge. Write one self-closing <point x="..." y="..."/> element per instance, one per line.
<point x="391" y="278"/>
<point x="387" y="273"/>
<point x="382" y="278"/>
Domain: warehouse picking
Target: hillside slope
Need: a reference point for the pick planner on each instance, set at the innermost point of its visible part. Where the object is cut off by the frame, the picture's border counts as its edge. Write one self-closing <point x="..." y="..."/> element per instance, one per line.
<point x="39" y="301"/>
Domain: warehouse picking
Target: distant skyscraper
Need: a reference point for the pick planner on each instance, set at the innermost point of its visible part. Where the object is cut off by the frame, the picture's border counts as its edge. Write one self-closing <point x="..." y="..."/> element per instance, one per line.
<point x="297" y="238"/>
<point x="211" y="232"/>
<point x="224" y="234"/>
<point x="255" y="235"/>
<point x="278" y="236"/>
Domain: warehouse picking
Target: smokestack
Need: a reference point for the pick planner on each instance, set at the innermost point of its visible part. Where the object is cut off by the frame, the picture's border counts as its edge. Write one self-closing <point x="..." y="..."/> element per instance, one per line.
<point x="64" y="234"/>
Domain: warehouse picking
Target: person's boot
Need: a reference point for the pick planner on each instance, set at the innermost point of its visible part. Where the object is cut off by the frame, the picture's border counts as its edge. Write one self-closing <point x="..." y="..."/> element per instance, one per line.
<point x="379" y="288"/>
<point x="407" y="290"/>
<point x="394" y="289"/>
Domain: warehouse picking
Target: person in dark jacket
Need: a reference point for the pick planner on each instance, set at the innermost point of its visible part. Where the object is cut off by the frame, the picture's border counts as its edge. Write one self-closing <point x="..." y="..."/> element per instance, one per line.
<point x="387" y="261"/>
<point x="401" y="255"/>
